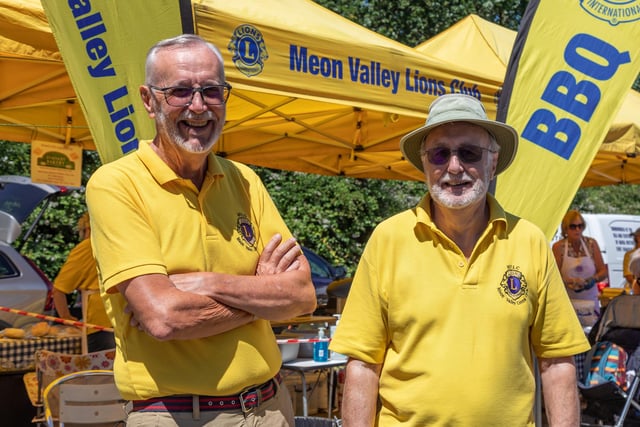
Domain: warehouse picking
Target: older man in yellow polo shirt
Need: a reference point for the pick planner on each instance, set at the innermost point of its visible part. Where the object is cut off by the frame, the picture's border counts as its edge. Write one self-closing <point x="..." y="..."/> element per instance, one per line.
<point x="452" y="296"/>
<point x="194" y="259"/>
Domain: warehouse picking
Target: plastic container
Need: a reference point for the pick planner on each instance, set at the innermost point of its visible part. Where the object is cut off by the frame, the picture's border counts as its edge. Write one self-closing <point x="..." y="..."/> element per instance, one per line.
<point x="321" y="348"/>
<point x="332" y="329"/>
<point x="289" y="351"/>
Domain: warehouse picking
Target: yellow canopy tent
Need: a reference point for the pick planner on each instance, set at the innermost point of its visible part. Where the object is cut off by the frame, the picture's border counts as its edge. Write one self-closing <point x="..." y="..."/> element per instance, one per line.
<point x="618" y="161"/>
<point x="37" y="100"/>
<point x="307" y="124"/>
<point x="294" y="118"/>
<point x="333" y="97"/>
<point x="487" y="46"/>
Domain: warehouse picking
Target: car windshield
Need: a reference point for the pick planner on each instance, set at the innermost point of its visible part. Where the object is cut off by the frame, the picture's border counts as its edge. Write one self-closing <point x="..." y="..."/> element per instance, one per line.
<point x="18" y="202"/>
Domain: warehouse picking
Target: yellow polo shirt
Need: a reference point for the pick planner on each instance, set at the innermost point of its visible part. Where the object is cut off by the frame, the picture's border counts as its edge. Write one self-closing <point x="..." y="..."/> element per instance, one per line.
<point x="146" y="220"/>
<point x="79" y="272"/>
<point x="455" y="336"/>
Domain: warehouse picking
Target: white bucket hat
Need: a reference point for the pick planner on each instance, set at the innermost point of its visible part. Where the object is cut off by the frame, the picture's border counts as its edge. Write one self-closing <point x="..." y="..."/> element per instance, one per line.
<point x="461" y="108"/>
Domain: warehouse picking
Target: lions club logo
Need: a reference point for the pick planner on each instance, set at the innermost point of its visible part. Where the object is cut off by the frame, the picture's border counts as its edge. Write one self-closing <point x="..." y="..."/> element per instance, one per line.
<point x="245" y="230"/>
<point x="613" y="11"/>
<point x="513" y="286"/>
<point x="248" y="50"/>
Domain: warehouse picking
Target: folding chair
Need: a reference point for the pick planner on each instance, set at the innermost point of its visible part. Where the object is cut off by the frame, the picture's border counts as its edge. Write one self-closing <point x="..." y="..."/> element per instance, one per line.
<point x="51" y="365"/>
<point x="85" y="397"/>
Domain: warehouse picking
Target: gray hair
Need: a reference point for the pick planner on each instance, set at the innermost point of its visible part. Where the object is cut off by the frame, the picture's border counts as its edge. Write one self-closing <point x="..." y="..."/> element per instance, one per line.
<point x="183" y="40"/>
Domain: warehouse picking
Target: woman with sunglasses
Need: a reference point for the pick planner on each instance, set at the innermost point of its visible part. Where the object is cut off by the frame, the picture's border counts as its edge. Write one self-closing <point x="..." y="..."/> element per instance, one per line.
<point x="579" y="260"/>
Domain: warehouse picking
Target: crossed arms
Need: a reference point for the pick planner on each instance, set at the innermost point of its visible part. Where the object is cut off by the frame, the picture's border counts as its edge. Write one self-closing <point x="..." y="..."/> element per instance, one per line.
<point x="201" y="304"/>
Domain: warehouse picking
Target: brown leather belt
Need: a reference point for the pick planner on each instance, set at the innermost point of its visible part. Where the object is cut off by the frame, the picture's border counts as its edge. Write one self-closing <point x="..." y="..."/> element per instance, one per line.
<point x="246" y="401"/>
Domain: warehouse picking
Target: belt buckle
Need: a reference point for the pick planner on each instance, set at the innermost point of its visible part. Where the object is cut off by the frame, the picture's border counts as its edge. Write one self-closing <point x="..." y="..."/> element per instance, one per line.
<point x="256" y="401"/>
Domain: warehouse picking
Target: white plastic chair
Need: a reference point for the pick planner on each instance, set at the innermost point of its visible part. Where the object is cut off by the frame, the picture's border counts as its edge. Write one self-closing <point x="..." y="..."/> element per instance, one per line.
<point x="85" y="397"/>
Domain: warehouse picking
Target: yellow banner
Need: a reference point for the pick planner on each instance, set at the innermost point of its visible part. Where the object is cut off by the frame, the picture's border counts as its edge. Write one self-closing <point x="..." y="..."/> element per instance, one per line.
<point x="572" y="65"/>
<point x="104" y="44"/>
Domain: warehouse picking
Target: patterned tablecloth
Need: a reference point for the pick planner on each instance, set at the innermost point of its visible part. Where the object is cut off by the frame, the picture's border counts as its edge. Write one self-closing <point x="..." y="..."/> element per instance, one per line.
<point x="17" y="354"/>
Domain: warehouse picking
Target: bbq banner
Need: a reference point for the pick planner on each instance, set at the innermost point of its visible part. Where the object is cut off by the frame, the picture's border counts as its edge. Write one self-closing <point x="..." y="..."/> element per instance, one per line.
<point x="104" y="45"/>
<point x="572" y="65"/>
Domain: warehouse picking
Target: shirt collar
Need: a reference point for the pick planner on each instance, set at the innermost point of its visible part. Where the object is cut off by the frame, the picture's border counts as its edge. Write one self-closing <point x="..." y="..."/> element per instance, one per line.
<point x="497" y="215"/>
<point x="163" y="173"/>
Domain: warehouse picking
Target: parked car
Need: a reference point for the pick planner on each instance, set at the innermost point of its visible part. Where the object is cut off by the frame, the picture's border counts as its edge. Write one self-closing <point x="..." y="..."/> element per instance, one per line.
<point x="23" y="286"/>
<point x="323" y="273"/>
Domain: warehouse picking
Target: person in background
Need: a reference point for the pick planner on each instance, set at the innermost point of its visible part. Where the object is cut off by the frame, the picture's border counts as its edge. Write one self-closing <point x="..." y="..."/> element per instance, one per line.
<point x="631" y="285"/>
<point x="194" y="259"/>
<point x="634" y="268"/>
<point x="579" y="260"/>
<point x="450" y="297"/>
<point x="79" y="273"/>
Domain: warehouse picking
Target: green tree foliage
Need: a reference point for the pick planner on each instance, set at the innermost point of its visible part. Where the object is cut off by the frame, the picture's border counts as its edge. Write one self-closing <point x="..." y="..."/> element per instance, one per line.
<point x="335" y="215"/>
<point x="624" y="199"/>
<point x="414" y="21"/>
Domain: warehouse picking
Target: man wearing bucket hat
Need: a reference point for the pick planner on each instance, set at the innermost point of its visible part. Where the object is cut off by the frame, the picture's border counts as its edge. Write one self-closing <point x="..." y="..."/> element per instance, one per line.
<point x="453" y="299"/>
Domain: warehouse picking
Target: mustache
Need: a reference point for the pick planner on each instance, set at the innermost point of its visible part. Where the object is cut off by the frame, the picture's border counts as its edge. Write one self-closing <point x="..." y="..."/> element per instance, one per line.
<point x="451" y="179"/>
<point x="190" y="115"/>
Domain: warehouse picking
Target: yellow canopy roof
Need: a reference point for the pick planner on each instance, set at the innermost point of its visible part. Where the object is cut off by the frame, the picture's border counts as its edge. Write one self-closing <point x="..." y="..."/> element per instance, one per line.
<point x="474" y="41"/>
<point x="37" y="100"/>
<point x="487" y="46"/>
<point x="281" y="118"/>
<point x="618" y="160"/>
<point x="285" y="117"/>
<point x="337" y="120"/>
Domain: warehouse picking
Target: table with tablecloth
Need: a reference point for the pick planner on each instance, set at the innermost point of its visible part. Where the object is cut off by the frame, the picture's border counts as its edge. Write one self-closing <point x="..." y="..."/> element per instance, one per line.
<point x="18" y="354"/>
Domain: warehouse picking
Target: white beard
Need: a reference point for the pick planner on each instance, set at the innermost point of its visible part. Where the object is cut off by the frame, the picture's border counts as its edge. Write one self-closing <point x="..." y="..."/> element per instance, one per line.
<point x="171" y="129"/>
<point x="444" y="196"/>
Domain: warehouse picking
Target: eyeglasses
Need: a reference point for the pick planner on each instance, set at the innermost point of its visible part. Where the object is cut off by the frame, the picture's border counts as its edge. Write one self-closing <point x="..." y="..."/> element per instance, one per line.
<point x="466" y="153"/>
<point x="576" y="226"/>
<point x="182" y="96"/>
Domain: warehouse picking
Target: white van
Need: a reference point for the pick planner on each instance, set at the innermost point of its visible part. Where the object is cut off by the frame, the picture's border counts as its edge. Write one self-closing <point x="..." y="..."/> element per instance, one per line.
<point x="613" y="234"/>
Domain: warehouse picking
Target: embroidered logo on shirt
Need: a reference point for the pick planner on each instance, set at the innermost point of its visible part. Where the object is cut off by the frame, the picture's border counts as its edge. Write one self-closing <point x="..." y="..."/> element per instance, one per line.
<point x="245" y="229"/>
<point x="513" y="287"/>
